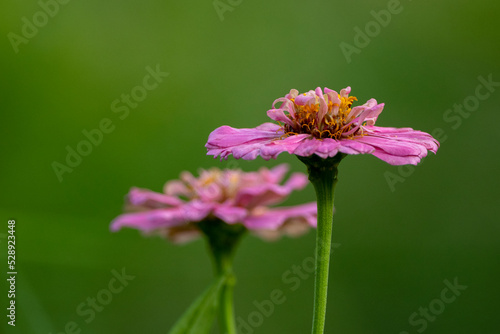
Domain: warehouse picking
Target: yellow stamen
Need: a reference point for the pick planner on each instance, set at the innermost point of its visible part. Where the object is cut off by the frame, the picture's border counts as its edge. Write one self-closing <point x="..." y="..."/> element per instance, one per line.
<point x="331" y="126"/>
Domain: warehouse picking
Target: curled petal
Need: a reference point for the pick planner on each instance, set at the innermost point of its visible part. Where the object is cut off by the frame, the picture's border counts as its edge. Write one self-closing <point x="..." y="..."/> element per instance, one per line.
<point x="333" y="96"/>
<point x="279" y="116"/>
<point x="286" y="105"/>
<point x="323" y="108"/>
<point x="345" y="92"/>
<point x="293" y="94"/>
<point x="371" y="118"/>
<point x="356" y="111"/>
<point x="283" y="101"/>
<point x="306" y="98"/>
<point x="369" y="115"/>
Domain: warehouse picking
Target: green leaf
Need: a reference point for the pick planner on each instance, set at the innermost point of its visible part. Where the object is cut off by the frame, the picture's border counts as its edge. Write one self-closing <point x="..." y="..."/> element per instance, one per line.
<point x="200" y="316"/>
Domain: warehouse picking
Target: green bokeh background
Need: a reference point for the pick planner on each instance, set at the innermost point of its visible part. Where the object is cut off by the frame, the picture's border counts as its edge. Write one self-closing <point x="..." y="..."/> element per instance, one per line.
<point x="397" y="246"/>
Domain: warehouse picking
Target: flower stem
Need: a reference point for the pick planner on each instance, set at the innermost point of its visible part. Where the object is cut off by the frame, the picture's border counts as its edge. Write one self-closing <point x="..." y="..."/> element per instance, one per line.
<point x="323" y="176"/>
<point x="223" y="240"/>
<point x="226" y="320"/>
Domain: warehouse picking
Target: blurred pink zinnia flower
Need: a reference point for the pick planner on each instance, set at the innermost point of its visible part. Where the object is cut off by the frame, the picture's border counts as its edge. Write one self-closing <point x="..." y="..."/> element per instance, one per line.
<point x="323" y="124"/>
<point x="231" y="196"/>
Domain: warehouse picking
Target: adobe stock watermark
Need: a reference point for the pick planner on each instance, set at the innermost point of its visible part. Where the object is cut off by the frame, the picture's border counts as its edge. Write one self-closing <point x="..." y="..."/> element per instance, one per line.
<point x="453" y="116"/>
<point x="421" y="318"/>
<point x="122" y="107"/>
<point x="30" y="27"/>
<point x="222" y="6"/>
<point x="292" y="277"/>
<point x="362" y="38"/>
<point x="94" y="304"/>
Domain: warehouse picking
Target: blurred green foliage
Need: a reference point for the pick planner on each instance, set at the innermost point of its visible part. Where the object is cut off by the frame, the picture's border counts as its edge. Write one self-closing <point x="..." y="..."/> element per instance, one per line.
<point x="397" y="246"/>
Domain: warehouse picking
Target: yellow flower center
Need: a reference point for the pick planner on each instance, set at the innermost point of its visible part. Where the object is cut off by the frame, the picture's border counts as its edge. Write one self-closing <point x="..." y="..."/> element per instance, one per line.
<point x="333" y="124"/>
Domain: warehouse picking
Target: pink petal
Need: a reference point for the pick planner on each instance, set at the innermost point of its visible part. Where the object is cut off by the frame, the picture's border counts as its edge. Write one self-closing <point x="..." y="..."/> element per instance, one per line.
<point x="322" y="147"/>
<point x="150" y="220"/>
<point x="327" y="148"/>
<point x="345" y="92"/>
<point x="396" y="160"/>
<point x="230" y="214"/>
<point x="242" y="143"/>
<point x="306" y="98"/>
<point x="333" y="96"/>
<point x="352" y="146"/>
<point x="397" y="146"/>
<point x="279" y="116"/>
<point x="357" y="110"/>
<point x="286" y="105"/>
<point x="293" y="94"/>
<point x="147" y="221"/>
<point x="405" y="134"/>
<point x="150" y="199"/>
<point x="274" y="218"/>
<point x="210" y="193"/>
<point x="176" y="188"/>
<point x="323" y="108"/>
<point x="374" y="113"/>
<point x="276" y="174"/>
<point x="266" y="194"/>
<point x="197" y="210"/>
<point x="394" y="147"/>
<point x="226" y="136"/>
<point x="307" y="147"/>
<point x="273" y="148"/>
<point x="368" y="114"/>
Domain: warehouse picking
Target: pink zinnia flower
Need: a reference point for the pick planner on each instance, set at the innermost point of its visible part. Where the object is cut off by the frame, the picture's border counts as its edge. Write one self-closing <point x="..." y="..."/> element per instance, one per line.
<point x="322" y="123"/>
<point x="231" y="196"/>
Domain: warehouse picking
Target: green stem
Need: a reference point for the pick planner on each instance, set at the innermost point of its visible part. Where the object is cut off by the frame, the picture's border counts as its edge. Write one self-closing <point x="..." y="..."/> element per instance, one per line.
<point x="224" y="268"/>
<point x="223" y="239"/>
<point x="323" y="176"/>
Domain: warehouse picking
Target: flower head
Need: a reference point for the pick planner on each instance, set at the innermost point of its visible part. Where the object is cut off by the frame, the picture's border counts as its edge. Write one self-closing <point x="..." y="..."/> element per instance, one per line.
<point x="231" y="196"/>
<point x="322" y="123"/>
